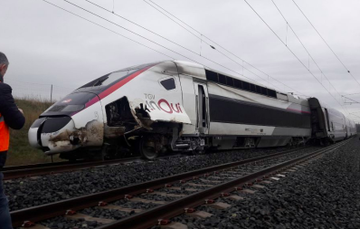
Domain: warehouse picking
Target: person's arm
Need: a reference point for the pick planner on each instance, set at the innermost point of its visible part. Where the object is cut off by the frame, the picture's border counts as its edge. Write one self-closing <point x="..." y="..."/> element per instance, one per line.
<point x="8" y="109"/>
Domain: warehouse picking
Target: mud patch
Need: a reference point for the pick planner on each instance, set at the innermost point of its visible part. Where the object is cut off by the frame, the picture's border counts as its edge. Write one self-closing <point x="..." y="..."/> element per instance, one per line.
<point x="90" y="135"/>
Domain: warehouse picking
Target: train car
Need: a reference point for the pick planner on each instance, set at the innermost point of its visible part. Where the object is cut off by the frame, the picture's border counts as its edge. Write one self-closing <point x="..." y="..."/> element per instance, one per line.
<point x="329" y="125"/>
<point x="170" y="105"/>
<point x="350" y="128"/>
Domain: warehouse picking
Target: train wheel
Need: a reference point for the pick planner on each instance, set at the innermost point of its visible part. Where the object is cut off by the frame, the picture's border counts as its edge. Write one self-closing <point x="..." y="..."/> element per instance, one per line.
<point x="150" y="146"/>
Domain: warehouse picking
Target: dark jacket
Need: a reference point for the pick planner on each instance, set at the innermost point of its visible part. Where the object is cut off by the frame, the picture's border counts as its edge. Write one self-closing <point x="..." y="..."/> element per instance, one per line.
<point x="8" y="109"/>
<point x="12" y="116"/>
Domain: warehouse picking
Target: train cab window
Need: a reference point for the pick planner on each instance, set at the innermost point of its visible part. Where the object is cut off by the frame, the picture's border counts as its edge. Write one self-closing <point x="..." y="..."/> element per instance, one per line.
<point x="109" y="78"/>
<point x="168" y="84"/>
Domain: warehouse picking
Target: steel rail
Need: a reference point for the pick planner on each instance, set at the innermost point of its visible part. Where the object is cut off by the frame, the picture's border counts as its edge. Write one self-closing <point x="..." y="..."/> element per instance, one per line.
<point x="49" y="168"/>
<point x="17" y="167"/>
<point x="46" y="211"/>
<point x="151" y="217"/>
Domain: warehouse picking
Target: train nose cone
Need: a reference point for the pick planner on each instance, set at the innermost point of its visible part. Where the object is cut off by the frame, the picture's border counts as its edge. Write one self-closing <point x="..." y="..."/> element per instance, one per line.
<point x="33" y="133"/>
<point x="55" y="135"/>
<point x="32" y="136"/>
<point x="52" y="134"/>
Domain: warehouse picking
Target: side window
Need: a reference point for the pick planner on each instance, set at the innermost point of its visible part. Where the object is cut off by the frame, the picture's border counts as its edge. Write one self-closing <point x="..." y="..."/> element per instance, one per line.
<point x="168" y="84"/>
<point x="222" y="79"/>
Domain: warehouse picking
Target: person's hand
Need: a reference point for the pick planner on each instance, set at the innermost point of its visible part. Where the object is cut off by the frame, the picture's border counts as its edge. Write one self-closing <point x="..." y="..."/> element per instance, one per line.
<point x="22" y="112"/>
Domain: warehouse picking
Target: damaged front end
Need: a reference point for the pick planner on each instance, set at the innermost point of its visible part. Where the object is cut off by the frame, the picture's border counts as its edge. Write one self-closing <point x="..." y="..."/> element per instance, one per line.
<point x="72" y="123"/>
<point x="59" y="134"/>
<point x="122" y="119"/>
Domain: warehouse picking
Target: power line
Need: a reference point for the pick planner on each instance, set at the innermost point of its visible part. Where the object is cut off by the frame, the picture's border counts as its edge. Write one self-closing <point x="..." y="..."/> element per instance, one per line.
<point x="353" y="94"/>
<point x="291" y="51"/>
<point x="352" y="100"/>
<point x="129" y="31"/>
<point x="302" y="44"/>
<point x="202" y="35"/>
<point x="135" y="33"/>
<point x="200" y="38"/>
<point x="347" y="70"/>
<point x="189" y="50"/>
<point x="107" y="28"/>
<point x="354" y="115"/>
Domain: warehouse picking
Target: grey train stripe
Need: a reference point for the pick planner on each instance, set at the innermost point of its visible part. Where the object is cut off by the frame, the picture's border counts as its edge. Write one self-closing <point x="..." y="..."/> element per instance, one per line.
<point x="228" y="110"/>
<point x="1" y="118"/>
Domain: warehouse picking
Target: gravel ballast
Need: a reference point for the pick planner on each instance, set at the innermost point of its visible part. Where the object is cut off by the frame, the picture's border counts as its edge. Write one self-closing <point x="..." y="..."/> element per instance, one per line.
<point x="323" y="194"/>
<point x="28" y="192"/>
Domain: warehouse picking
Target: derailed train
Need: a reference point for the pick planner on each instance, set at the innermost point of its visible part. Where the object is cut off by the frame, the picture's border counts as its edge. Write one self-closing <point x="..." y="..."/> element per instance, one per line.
<point x="180" y="106"/>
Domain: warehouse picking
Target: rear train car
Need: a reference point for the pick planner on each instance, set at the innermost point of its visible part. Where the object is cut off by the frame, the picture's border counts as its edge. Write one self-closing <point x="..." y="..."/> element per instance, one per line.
<point x="329" y="125"/>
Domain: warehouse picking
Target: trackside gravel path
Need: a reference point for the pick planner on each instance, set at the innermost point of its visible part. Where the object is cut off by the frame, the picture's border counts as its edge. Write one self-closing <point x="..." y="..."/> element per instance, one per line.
<point x="323" y="194"/>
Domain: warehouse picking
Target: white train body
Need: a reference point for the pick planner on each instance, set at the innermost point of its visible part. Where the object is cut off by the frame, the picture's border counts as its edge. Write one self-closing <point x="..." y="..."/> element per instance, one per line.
<point x="177" y="105"/>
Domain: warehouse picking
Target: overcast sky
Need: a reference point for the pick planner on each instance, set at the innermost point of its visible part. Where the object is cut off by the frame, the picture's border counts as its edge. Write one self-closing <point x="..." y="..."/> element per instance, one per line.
<point x="49" y="46"/>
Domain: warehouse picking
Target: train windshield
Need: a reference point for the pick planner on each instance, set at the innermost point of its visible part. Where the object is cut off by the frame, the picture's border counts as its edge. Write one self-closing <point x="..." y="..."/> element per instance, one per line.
<point x="114" y="77"/>
<point x="108" y="79"/>
<point x="71" y="103"/>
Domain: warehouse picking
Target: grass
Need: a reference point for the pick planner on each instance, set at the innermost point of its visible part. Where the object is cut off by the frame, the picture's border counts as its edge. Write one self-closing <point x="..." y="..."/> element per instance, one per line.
<point x="20" y="151"/>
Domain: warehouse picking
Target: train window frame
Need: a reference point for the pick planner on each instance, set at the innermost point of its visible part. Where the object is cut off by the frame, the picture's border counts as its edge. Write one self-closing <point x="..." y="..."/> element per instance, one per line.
<point x="246" y="86"/>
<point x="222" y="79"/>
<point x="167" y="86"/>
<point x="229" y="81"/>
<point x="212" y="76"/>
<point x="239" y="84"/>
<point x="271" y="93"/>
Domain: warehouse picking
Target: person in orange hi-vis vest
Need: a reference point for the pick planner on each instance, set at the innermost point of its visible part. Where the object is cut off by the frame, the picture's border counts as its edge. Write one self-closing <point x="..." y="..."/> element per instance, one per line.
<point x="10" y="117"/>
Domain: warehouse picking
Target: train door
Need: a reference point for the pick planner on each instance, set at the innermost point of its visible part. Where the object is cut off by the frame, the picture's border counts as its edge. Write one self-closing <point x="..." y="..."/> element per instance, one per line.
<point x="327" y="119"/>
<point x="202" y="107"/>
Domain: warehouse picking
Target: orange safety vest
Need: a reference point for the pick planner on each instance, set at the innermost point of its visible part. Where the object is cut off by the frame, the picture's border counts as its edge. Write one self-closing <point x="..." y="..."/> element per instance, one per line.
<point x="4" y="135"/>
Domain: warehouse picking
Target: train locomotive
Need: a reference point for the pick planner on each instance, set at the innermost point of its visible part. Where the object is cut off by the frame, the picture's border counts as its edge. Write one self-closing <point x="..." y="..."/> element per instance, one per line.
<point x="179" y="106"/>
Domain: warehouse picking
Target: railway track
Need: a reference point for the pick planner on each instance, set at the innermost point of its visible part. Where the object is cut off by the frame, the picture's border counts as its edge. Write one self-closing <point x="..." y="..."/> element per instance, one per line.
<point x="13" y="172"/>
<point x="181" y="191"/>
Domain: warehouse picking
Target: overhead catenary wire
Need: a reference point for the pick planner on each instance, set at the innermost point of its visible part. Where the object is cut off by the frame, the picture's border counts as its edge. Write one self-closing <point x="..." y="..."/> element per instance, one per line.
<point x="337" y="57"/>
<point x="307" y="51"/>
<point x="291" y="51"/>
<point x="108" y="29"/>
<point x="352" y="100"/>
<point x="352" y="94"/>
<point x="177" y="44"/>
<point x="137" y="34"/>
<point x="355" y="116"/>
<point x="202" y="40"/>
<point x="125" y="29"/>
<point x="153" y="4"/>
<point x="97" y="24"/>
